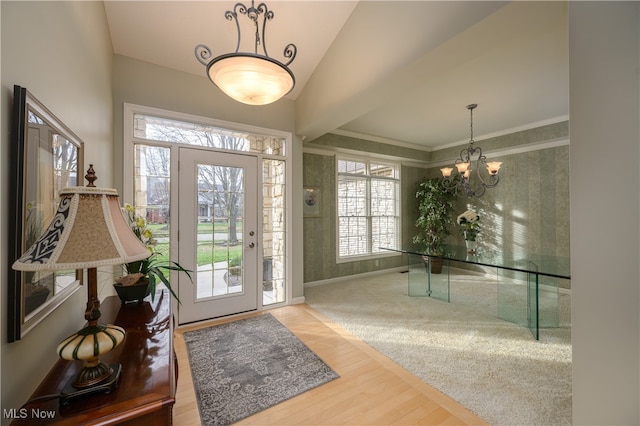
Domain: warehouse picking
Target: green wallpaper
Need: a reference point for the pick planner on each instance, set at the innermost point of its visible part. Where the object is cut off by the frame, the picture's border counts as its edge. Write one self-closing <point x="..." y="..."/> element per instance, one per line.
<point x="320" y="232"/>
<point x="528" y="212"/>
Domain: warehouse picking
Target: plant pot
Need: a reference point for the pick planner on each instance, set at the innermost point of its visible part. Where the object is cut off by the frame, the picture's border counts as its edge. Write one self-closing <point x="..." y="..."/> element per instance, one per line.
<point x="436" y="264"/>
<point x="132" y="293"/>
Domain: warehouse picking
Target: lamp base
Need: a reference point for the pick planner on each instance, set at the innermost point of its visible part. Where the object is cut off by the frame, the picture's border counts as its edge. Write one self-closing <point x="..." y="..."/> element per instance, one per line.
<point x="70" y="392"/>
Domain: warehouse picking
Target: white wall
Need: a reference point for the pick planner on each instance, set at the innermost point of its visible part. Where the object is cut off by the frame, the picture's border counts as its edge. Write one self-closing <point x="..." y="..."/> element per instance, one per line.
<point x="605" y="211"/>
<point x="61" y="52"/>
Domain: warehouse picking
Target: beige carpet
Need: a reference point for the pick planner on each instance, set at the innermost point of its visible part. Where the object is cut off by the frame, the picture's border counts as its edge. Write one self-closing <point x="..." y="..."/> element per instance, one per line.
<point x="493" y="367"/>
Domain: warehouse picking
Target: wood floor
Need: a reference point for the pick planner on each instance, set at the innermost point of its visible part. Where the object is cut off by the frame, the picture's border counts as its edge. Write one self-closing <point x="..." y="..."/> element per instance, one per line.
<point x="371" y="389"/>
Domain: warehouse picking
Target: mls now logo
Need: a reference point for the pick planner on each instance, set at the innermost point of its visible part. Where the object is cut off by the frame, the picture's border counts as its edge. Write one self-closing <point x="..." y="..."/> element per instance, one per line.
<point x="14" y="413"/>
<point x="23" y="413"/>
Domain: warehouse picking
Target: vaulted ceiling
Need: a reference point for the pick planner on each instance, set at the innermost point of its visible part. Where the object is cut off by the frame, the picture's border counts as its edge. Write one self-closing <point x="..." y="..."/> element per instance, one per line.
<point x="392" y="71"/>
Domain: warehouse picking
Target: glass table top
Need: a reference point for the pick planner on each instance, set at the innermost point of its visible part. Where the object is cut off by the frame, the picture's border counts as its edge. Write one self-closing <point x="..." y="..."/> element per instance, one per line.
<point x="552" y="266"/>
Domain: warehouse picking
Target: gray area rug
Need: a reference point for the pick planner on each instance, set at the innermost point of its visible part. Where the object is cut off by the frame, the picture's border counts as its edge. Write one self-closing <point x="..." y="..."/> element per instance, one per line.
<point x="243" y="367"/>
<point x="493" y="367"/>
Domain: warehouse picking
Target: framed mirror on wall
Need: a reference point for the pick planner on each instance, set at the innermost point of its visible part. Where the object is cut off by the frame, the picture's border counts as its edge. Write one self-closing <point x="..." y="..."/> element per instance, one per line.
<point x="46" y="156"/>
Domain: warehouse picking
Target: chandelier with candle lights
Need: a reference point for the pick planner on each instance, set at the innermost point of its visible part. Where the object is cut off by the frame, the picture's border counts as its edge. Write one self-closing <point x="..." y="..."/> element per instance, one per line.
<point x="471" y="158"/>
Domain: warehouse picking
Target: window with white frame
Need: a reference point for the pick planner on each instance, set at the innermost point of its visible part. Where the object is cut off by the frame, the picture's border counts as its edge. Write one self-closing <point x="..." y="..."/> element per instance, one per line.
<point x="368" y="207"/>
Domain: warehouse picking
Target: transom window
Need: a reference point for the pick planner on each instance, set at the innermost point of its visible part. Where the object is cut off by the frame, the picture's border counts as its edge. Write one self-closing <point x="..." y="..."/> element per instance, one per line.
<point x="368" y="207"/>
<point x="191" y="133"/>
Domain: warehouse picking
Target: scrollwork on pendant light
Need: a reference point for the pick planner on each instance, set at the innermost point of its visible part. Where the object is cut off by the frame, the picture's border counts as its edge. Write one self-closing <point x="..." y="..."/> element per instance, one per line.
<point x="250" y="77"/>
<point x="462" y="181"/>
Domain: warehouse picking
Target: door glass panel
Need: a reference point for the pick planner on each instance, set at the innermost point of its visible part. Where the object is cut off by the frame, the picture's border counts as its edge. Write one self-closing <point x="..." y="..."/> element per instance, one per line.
<point x="220" y="213"/>
<point x="218" y="223"/>
<point x="273" y="232"/>
<point x="255" y="258"/>
<point x="152" y="194"/>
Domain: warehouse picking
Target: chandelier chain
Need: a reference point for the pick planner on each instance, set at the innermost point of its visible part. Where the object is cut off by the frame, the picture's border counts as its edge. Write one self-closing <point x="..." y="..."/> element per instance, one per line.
<point x="471" y="108"/>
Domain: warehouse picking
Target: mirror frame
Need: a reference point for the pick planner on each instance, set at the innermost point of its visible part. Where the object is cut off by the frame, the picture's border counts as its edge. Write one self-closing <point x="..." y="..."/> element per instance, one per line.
<point x="26" y="150"/>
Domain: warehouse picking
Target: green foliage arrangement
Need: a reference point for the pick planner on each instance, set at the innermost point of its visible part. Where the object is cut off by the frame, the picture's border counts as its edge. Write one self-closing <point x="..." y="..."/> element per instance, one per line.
<point x="435" y="206"/>
<point x="152" y="268"/>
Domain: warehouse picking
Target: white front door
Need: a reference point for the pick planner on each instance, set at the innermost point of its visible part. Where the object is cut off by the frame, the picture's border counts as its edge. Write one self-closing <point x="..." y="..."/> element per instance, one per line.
<point x="218" y="234"/>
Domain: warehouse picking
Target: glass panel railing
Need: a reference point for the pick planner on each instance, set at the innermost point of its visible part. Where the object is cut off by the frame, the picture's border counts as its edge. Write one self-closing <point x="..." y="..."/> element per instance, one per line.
<point x="418" y="276"/>
<point x="425" y="284"/>
<point x="528" y="286"/>
<point x="514" y="297"/>
<point x="553" y="266"/>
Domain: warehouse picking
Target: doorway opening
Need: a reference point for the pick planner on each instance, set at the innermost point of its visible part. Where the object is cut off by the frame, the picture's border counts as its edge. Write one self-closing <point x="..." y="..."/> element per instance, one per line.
<point x="213" y="230"/>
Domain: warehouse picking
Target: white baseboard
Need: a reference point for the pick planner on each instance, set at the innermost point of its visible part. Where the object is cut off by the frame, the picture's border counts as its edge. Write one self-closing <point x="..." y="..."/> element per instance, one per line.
<point x="297" y="300"/>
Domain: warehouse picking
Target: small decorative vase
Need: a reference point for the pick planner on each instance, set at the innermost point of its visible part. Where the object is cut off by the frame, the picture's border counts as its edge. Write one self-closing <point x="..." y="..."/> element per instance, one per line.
<point x="471" y="246"/>
<point x="133" y="293"/>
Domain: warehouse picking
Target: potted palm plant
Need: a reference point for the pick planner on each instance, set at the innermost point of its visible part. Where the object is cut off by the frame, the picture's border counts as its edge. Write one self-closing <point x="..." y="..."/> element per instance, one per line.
<point x="435" y="207"/>
<point x="143" y="275"/>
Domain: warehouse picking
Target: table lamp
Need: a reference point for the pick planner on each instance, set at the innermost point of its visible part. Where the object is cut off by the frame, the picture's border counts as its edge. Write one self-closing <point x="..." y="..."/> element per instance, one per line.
<point x="88" y="230"/>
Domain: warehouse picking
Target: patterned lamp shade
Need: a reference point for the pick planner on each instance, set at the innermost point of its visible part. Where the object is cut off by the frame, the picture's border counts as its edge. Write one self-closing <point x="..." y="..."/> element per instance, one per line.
<point x="89" y="230"/>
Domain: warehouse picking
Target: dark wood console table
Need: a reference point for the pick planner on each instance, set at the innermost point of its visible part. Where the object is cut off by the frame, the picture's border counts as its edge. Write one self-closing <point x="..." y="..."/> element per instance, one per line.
<point x="146" y="391"/>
